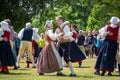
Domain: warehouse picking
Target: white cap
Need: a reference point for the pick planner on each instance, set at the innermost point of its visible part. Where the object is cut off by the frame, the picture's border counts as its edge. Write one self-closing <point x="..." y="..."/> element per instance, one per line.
<point x="35" y="29"/>
<point x="114" y="20"/>
<point x="66" y="22"/>
<point x="4" y="25"/>
<point x="48" y="24"/>
<point x="28" y="24"/>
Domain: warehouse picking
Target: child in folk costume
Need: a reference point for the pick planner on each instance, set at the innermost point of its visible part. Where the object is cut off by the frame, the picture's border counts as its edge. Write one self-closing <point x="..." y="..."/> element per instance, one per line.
<point x="6" y="55"/>
<point x="76" y="54"/>
<point x="106" y="58"/>
<point x="49" y="59"/>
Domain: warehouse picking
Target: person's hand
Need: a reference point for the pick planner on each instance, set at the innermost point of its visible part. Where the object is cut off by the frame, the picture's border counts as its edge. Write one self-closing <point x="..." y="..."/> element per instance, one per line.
<point x="62" y="34"/>
<point x="4" y="39"/>
<point x="109" y="33"/>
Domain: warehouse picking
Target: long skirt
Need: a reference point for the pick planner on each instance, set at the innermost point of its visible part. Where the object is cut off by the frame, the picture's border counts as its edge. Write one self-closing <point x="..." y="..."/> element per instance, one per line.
<point x="106" y="57"/>
<point x="6" y="55"/>
<point x="75" y="53"/>
<point x="49" y="59"/>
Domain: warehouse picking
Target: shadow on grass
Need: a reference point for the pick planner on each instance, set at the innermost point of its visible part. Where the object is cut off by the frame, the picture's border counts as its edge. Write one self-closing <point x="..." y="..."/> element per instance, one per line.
<point x="16" y="74"/>
<point x="19" y="74"/>
<point x="83" y="67"/>
<point x="78" y="76"/>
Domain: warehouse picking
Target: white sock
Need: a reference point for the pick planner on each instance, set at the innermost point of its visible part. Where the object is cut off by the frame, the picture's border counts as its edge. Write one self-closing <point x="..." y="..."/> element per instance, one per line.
<point x="71" y="68"/>
<point x="18" y="61"/>
<point x="32" y="59"/>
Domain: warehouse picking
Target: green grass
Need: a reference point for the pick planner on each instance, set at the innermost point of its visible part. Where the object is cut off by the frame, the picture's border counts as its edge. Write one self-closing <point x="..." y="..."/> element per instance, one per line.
<point x="83" y="73"/>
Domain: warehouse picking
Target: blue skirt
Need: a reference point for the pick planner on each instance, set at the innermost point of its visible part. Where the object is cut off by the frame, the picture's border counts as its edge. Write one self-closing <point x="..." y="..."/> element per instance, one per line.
<point x="106" y="57"/>
<point x="76" y="54"/>
<point x="6" y="55"/>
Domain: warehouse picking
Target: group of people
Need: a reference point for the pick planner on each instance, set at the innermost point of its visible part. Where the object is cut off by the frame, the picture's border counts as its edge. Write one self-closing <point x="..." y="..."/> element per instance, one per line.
<point x="49" y="49"/>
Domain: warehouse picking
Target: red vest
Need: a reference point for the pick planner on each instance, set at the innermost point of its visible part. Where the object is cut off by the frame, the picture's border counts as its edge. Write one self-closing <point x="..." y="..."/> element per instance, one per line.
<point x="114" y="31"/>
<point x="7" y="35"/>
<point x="74" y="35"/>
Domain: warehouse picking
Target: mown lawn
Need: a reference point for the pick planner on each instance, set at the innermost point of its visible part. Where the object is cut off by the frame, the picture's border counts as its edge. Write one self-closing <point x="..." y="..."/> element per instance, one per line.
<point x="86" y="72"/>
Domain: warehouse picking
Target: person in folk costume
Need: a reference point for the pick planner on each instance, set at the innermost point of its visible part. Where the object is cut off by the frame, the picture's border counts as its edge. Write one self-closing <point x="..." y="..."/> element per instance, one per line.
<point x="35" y="48"/>
<point x="106" y="58"/>
<point x="49" y="59"/>
<point x="6" y="55"/>
<point x="12" y="40"/>
<point x="63" y="43"/>
<point x="76" y="54"/>
<point x="118" y="55"/>
<point x="100" y="40"/>
<point x="26" y="43"/>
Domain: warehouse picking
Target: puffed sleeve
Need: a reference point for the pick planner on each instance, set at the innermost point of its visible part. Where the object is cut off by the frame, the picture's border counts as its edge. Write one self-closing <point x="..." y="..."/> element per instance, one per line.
<point x="103" y="31"/>
<point x="36" y="37"/>
<point x="67" y="32"/>
<point x="1" y="33"/>
<point x="20" y="34"/>
<point x="52" y="35"/>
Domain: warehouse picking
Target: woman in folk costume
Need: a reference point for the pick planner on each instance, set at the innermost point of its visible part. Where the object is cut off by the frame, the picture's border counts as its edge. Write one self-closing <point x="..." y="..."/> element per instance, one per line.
<point x="49" y="59"/>
<point x="35" y="43"/>
<point x="106" y="58"/>
<point x="6" y="55"/>
<point x="76" y="54"/>
<point x="118" y="56"/>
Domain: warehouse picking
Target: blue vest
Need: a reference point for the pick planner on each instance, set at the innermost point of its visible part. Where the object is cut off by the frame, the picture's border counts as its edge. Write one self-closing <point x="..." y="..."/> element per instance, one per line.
<point x="27" y="34"/>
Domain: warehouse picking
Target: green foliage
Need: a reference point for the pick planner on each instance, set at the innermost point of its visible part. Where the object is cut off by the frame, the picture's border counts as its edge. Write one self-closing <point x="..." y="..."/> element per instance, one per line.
<point x="86" y="14"/>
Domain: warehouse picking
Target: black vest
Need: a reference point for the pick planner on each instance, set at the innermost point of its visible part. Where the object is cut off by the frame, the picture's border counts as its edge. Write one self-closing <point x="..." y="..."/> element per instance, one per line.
<point x="27" y="34"/>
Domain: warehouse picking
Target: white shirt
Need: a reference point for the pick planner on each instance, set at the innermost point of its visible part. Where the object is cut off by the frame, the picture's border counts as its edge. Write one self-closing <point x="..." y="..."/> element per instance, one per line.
<point x="66" y="30"/>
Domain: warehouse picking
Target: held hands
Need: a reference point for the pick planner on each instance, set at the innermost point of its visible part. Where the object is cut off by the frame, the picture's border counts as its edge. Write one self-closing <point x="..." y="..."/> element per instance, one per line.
<point x="109" y="33"/>
<point x="5" y="39"/>
<point x="61" y="34"/>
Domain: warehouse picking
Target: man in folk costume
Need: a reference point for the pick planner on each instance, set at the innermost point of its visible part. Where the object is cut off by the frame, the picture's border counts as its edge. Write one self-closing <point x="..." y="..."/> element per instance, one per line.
<point x="26" y="43"/>
<point x="106" y="58"/>
<point x="6" y="55"/>
<point x="64" y="42"/>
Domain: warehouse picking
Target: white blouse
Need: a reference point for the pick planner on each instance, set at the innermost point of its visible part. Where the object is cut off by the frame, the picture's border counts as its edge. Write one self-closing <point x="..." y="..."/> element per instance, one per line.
<point x="1" y="33"/>
<point x="52" y="35"/>
<point x="66" y="29"/>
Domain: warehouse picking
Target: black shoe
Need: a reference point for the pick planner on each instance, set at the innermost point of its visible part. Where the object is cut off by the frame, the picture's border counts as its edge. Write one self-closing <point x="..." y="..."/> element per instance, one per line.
<point x="34" y="67"/>
<point x="103" y="74"/>
<point x="97" y="73"/>
<point x="80" y="63"/>
<point x="41" y="73"/>
<point x="72" y="75"/>
<point x="15" y="68"/>
<point x="109" y="74"/>
<point x="2" y="71"/>
<point x="18" y="67"/>
<point x="6" y="72"/>
<point x="60" y="74"/>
